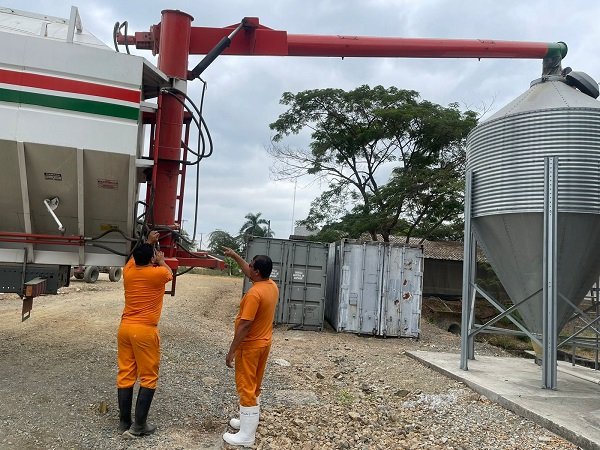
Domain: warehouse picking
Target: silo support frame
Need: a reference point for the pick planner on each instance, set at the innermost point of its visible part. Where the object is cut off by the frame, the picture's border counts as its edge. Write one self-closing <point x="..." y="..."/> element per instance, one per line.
<point x="589" y="322"/>
<point x="504" y="312"/>
<point x="468" y="328"/>
<point x="549" y="342"/>
<point x="549" y="295"/>
<point x="467" y="343"/>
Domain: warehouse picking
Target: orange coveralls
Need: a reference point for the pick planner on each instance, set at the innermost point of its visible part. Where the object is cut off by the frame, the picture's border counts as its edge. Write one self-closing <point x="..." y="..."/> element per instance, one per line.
<point x="258" y="305"/>
<point x="138" y="350"/>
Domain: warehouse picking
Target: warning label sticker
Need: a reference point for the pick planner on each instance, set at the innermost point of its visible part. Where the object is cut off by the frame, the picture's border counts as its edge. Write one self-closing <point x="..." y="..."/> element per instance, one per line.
<point x="108" y="184"/>
<point x="53" y="176"/>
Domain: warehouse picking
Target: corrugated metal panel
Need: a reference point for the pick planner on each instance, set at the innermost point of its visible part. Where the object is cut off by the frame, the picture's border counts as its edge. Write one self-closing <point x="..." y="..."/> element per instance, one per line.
<point x="300" y="271"/>
<point x="375" y="288"/>
<point x="507" y="154"/>
<point x="402" y="296"/>
<point x="360" y="287"/>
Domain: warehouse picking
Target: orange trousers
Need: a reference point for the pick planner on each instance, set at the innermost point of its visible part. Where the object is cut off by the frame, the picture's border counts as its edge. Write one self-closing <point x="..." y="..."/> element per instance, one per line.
<point x="138" y="354"/>
<point x="250" y="364"/>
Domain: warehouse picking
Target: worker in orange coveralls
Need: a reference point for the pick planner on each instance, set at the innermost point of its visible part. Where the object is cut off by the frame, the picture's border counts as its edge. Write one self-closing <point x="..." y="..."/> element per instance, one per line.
<point x="251" y="344"/>
<point x="144" y="279"/>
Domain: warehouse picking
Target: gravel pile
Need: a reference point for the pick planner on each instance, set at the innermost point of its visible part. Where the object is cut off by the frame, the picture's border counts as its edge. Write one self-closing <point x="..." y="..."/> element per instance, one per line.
<point x="322" y="390"/>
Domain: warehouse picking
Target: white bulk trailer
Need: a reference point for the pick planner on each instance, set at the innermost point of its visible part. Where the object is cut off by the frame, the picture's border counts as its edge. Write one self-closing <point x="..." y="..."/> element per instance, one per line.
<point x="374" y="288"/>
<point x="71" y="138"/>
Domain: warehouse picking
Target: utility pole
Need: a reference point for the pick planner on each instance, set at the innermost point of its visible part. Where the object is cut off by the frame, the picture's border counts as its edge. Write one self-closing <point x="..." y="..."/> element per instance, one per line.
<point x="294" y="205"/>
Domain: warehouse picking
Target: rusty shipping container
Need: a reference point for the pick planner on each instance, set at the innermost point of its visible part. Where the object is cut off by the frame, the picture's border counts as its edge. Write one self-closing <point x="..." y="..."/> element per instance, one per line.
<point x="374" y="288"/>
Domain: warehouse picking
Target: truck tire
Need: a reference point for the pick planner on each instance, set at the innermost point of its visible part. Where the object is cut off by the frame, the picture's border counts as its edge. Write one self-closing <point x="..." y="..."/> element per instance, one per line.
<point x="90" y="275"/>
<point x="114" y="273"/>
<point x="78" y="275"/>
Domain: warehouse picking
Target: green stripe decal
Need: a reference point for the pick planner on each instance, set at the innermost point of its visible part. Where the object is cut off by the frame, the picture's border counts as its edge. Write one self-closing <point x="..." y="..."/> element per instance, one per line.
<point x="70" y="104"/>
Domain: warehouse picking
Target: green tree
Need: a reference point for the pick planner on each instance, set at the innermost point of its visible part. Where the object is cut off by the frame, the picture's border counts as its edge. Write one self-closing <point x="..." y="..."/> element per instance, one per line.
<point x="255" y="225"/>
<point x="219" y="239"/>
<point x="392" y="163"/>
<point x="186" y="241"/>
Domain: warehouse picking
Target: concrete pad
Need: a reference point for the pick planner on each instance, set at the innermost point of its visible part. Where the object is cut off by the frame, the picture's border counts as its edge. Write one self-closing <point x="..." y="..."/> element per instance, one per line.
<point x="572" y="411"/>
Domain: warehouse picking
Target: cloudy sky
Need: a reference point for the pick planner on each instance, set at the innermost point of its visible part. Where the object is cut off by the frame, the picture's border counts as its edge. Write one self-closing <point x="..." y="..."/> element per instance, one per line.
<point x="244" y="92"/>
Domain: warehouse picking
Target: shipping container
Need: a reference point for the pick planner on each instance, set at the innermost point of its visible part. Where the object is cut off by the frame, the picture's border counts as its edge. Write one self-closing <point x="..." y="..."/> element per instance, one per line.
<point x="374" y="288"/>
<point x="299" y="269"/>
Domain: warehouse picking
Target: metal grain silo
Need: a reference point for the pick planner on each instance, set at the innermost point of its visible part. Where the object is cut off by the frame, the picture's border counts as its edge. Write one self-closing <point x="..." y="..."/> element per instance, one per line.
<point x="558" y="118"/>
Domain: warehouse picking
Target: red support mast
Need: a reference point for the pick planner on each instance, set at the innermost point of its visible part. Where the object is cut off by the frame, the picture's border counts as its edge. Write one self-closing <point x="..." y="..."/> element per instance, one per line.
<point x="173" y="61"/>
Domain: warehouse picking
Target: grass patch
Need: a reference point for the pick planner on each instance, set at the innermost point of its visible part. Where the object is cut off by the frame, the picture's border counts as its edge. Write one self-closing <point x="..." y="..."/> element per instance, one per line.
<point x="509" y="343"/>
<point x="345" y="397"/>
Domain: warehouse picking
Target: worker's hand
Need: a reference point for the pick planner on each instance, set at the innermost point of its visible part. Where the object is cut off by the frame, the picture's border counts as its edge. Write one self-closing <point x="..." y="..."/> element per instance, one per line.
<point x="159" y="258"/>
<point x="153" y="237"/>
<point x="229" y="359"/>
<point x="229" y="252"/>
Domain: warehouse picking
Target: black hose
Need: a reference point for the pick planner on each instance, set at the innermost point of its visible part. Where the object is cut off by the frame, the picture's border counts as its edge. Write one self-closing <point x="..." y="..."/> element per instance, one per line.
<point x="200" y="154"/>
<point x="116" y="30"/>
<point x="113" y="230"/>
<point x="94" y="244"/>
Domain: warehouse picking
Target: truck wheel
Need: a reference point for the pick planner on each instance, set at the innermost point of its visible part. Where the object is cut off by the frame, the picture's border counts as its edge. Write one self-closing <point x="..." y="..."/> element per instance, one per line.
<point x="114" y="273"/>
<point x="78" y="275"/>
<point x="90" y="275"/>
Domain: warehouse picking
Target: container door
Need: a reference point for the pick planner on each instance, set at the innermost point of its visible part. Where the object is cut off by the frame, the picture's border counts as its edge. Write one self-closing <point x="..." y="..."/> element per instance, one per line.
<point x="360" y="288"/>
<point x="306" y="274"/>
<point x="401" y="302"/>
<point x="412" y="293"/>
<point x="391" y="300"/>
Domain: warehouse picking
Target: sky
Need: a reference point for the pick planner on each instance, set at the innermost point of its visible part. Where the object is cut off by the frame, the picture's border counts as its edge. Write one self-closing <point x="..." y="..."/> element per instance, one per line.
<point x="243" y="93"/>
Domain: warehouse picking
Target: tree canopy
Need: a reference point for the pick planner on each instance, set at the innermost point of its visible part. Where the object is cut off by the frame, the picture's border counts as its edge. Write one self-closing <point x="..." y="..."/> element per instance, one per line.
<point x="219" y="239"/>
<point x="255" y="225"/>
<point x="392" y="163"/>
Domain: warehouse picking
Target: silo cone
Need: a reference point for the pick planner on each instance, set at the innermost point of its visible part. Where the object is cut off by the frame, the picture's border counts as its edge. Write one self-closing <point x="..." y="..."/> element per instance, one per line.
<point x="506" y="154"/>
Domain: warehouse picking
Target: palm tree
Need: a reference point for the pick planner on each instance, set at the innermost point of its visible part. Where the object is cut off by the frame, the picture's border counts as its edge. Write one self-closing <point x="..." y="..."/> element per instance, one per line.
<point x="254" y="226"/>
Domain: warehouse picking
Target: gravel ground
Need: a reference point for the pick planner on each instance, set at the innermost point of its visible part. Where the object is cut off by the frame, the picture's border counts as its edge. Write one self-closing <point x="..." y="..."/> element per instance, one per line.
<point x="322" y="390"/>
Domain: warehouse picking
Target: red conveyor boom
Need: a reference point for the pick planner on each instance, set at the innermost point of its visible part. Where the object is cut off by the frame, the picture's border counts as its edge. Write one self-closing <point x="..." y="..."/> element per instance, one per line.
<point x="174" y="39"/>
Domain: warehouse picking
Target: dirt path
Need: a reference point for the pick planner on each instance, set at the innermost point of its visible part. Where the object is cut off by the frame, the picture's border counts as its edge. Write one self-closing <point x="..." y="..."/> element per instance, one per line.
<point x="322" y="389"/>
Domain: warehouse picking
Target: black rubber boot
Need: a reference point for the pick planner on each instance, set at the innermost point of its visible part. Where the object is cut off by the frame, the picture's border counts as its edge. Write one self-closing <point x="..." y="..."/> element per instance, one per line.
<point x="142" y="406"/>
<point x="124" y="395"/>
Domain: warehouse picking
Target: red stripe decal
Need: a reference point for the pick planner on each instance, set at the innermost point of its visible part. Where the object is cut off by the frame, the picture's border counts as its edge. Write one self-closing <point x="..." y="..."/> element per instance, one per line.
<point x="72" y="86"/>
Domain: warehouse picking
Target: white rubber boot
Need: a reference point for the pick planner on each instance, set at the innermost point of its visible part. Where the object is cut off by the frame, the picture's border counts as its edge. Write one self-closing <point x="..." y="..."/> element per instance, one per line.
<point x="249" y="416"/>
<point x="235" y="422"/>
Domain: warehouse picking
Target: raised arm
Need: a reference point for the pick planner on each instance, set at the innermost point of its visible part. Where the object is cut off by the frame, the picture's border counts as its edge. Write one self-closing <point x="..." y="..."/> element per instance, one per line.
<point x="239" y="260"/>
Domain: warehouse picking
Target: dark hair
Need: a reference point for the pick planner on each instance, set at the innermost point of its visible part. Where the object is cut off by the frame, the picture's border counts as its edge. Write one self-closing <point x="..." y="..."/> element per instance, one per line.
<point x="143" y="254"/>
<point x="263" y="264"/>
